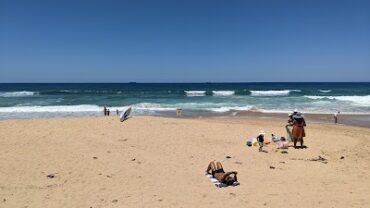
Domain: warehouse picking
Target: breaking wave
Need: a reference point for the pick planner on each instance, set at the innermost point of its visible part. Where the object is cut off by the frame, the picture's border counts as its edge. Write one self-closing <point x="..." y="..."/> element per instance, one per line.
<point x="272" y="92"/>
<point x="325" y="91"/>
<point x="18" y="94"/>
<point x="223" y="93"/>
<point x="357" y="100"/>
<point x="195" y="93"/>
<point x="51" y="109"/>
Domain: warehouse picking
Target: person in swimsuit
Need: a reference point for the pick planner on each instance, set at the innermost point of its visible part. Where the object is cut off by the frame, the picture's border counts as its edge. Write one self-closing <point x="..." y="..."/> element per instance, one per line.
<point x="218" y="172"/>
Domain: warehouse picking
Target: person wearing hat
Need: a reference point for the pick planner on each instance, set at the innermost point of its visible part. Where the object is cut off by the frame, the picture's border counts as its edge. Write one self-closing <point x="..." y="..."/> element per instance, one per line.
<point x="298" y="131"/>
<point x="261" y="139"/>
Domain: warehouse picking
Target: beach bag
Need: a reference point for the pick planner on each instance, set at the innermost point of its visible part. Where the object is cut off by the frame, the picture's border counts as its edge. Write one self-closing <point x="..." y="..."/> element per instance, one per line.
<point x="254" y="142"/>
<point x="289" y="136"/>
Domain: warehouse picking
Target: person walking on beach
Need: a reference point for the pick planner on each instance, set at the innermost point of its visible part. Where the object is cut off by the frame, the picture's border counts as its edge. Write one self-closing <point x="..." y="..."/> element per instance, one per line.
<point x="298" y="131"/>
<point x="260" y="140"/>
<point x="105" y="111"/>
<point x="108" y="112"/>
<point x="336" y="117"/>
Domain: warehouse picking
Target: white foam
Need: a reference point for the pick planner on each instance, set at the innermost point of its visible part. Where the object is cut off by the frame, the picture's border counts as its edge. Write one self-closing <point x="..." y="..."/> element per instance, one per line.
<point x="357" y="100"/>
<point x="152" y="107"/>
<point x="271" y="92"/>
<point x="51" y="109"/>
<point x="229" y="108"/>
<point x="17" y="94"/>
<point x="195" y="93"/>
<point x="325" y="91"/>
<point x="220" y="107"/>
<point x="223" y="93"/>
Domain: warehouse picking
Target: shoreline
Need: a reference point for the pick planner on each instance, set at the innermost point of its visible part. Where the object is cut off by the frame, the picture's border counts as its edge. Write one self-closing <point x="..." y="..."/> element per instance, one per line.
<point x="358" y="120"/>
<point x="349" y="119"/>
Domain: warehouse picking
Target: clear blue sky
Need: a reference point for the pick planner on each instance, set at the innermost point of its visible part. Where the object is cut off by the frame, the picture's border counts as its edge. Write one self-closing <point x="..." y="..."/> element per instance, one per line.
<point x="184" y="40"/>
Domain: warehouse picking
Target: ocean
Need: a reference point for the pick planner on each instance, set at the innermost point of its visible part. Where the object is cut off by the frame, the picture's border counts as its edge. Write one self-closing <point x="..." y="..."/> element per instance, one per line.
<point x="88" y="99"/>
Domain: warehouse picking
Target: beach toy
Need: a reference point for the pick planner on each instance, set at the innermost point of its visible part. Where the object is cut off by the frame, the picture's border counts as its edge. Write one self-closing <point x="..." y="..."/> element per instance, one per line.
<point x="267" y="141"/>
<point x="249" y="143"/>
<point x="275" y="138"/>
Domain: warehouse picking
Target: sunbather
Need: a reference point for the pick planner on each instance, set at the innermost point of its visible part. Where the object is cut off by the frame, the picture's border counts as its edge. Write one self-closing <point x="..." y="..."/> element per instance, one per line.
<point x="218" y="172"/>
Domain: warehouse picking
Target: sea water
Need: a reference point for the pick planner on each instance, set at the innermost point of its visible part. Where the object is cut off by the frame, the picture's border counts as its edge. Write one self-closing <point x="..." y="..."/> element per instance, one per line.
<point x="88" y="99"/>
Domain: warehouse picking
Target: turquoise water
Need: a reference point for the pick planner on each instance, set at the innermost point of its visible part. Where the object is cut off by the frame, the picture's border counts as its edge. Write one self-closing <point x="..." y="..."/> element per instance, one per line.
<point x="57" y="100"/>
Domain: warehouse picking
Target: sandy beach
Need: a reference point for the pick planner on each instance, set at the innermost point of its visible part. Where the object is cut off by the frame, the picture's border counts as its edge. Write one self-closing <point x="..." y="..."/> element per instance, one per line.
<point x="160" y="162"/>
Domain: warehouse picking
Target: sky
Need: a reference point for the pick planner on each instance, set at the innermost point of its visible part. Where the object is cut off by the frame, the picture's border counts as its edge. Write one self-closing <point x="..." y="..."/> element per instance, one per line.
<point x="184" y="41"/>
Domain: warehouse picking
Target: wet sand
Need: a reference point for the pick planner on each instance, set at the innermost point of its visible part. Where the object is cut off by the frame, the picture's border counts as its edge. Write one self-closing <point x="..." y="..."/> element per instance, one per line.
<point x="160" y="162"/>
<point x="360" y="120"/>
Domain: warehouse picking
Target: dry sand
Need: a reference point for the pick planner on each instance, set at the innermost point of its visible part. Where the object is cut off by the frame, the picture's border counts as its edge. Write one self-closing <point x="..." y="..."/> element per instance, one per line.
<point x="160" y="162"/>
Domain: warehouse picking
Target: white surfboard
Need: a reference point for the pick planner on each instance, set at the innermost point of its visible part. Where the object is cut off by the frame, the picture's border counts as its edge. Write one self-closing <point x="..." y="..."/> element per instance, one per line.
<point x="125" y="114"/>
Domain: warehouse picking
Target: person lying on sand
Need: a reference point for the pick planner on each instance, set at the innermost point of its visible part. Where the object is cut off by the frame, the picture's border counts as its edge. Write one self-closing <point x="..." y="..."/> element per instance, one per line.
<point x="218" y="172"/>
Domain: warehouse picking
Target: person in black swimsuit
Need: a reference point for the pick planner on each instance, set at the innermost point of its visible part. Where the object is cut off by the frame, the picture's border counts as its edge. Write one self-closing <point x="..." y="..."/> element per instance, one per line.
<point x="218" y="172"/>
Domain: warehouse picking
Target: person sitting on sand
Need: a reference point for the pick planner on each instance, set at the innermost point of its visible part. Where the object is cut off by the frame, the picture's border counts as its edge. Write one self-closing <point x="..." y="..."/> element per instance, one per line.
<point x="218" y="172"/>
<point x="298" y="129"/>
<point x="282" y="144"/>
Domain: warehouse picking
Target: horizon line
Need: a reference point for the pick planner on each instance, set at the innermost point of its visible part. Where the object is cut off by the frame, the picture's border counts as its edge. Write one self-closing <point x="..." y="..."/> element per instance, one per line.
<point x="133" y="82"/>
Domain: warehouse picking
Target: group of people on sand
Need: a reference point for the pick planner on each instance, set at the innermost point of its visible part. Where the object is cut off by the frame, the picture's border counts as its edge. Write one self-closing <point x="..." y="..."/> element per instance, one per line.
<point x="295" y="130"/>
<point x="281" y="143"/>
<point x="295" y="133"/>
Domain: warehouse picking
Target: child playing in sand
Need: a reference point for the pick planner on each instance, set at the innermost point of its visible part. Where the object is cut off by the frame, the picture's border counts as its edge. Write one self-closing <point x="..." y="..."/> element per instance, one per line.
<point x="282" y="144"/>
<point x="260" y="140"/>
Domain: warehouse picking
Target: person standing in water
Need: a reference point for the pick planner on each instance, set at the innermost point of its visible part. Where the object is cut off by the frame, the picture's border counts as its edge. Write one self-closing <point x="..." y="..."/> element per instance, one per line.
<point x="105" y="111"/>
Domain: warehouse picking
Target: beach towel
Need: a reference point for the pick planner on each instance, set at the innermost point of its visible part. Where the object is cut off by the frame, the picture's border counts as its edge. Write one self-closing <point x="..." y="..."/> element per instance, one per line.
<point x="218" y="184"/>
<point x="289" y="133"/>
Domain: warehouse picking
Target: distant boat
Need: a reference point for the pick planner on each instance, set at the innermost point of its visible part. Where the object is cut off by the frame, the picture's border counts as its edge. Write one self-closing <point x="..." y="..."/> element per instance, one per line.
<point x="132" y="82"/>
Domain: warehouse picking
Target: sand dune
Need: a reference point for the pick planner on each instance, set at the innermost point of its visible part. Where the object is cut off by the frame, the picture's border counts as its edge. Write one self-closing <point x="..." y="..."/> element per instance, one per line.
<point x="160" y="162"/>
